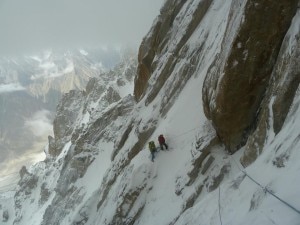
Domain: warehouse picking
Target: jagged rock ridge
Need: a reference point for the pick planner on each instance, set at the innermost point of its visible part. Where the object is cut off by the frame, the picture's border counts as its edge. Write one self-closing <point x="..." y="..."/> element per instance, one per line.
<point x="30" y="89"/>
<point x="98" y="163"/>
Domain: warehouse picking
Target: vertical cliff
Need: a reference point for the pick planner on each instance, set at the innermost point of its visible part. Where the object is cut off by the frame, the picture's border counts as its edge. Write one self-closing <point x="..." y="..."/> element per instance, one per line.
<point x="242" y="75"/>
<point x="215" y="77"/>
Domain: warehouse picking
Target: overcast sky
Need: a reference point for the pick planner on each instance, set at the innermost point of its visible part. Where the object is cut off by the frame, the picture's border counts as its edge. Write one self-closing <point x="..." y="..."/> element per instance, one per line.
<point x="32" y="25"/>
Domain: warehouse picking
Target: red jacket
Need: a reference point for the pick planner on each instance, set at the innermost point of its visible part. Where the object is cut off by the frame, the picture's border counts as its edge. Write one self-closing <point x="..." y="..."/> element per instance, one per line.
<point x="161" y="139"/>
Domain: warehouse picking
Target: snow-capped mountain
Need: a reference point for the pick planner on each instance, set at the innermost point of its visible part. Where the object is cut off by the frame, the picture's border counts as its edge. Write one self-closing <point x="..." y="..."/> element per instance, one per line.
<point x="30" y="89"/>
<point x="53" y="71"/>
<point x="220" y="80"/>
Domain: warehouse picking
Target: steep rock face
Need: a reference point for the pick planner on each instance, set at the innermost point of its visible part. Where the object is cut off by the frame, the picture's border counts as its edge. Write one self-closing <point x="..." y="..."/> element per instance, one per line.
<point x="279" y="96"/>
<point x="27" y="185"/>
<point x="165" y="75"/>
<point x="156" y="44"/>
<point x="169" y="77"/>
<point x="238" y="78"/>
<point x="236" y="83"/>
<point x="30" y="88"/>
<point x="102" y="173"/>
<point x="152" y="45"/>
<point x="63" y="124"/>
<point x="85" y="121"/>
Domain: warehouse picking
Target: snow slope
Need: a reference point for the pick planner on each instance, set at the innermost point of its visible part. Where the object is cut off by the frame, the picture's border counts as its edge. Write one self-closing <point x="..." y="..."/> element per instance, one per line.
<point x="103" y="174"/>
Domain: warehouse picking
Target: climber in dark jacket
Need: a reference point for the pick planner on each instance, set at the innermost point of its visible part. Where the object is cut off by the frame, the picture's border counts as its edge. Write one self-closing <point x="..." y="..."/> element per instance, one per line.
<point x="162" y="142"/>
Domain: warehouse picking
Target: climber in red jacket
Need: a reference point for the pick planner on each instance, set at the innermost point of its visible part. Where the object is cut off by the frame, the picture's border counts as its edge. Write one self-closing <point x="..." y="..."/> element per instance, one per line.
<point x="162" y="142"/>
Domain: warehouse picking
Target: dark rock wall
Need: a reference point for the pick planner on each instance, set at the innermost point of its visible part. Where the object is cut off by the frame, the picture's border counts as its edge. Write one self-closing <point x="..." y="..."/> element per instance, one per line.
<point x="245" y="76"/>
<point x="153" y="44"/>
<point x="275" y="106"/>
<point x="156" y="44"/>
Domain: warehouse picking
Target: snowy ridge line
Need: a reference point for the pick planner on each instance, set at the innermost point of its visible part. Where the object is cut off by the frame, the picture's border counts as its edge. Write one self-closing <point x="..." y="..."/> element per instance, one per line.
<point x="265" y="189"/>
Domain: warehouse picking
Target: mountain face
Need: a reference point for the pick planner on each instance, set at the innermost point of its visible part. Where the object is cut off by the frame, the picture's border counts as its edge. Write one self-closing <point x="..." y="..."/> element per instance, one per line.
<point x="51" y="71"/>
<point x="30" y="89"/>
<point x="220" y="79"/>
<point x="253" y="55"/>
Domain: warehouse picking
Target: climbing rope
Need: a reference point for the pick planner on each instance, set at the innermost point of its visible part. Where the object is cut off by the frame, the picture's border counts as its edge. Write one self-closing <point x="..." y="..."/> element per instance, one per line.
<point x="177" y="137"/>
<point x="246" y="174"/>
<point x="265" y="189"/>
<point x="186" y="132"/>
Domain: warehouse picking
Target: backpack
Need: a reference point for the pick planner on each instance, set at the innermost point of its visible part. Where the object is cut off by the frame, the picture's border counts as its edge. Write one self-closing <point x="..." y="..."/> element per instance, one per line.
<point x="152" y="146"/>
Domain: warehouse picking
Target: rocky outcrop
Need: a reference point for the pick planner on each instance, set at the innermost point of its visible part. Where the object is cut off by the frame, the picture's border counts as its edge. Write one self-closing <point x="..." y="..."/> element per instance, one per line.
<point x="119" y="165"/>
<point x="153" y="44"/>
<point x="27" y="185"/>
<point x="102" y="105"/>
<point x="128" y="207"/>
<point x="156" y="43"/>
<point x="284" y="83"/>
<point x="41" y="80"/>
<point x="84" y="120"/>
<point x="63" y="124"/>
<point x="235" y="85"/>
<point x="197" y="163"/>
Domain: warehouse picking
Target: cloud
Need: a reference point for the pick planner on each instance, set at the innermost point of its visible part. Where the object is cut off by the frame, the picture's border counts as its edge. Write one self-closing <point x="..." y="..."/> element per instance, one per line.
<point x="27" y="26"/>
<point x="51" y="70"/>
<point x="13" y="164"/>
<point x="40" y="124"/>
<point x="4" y="88"/>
